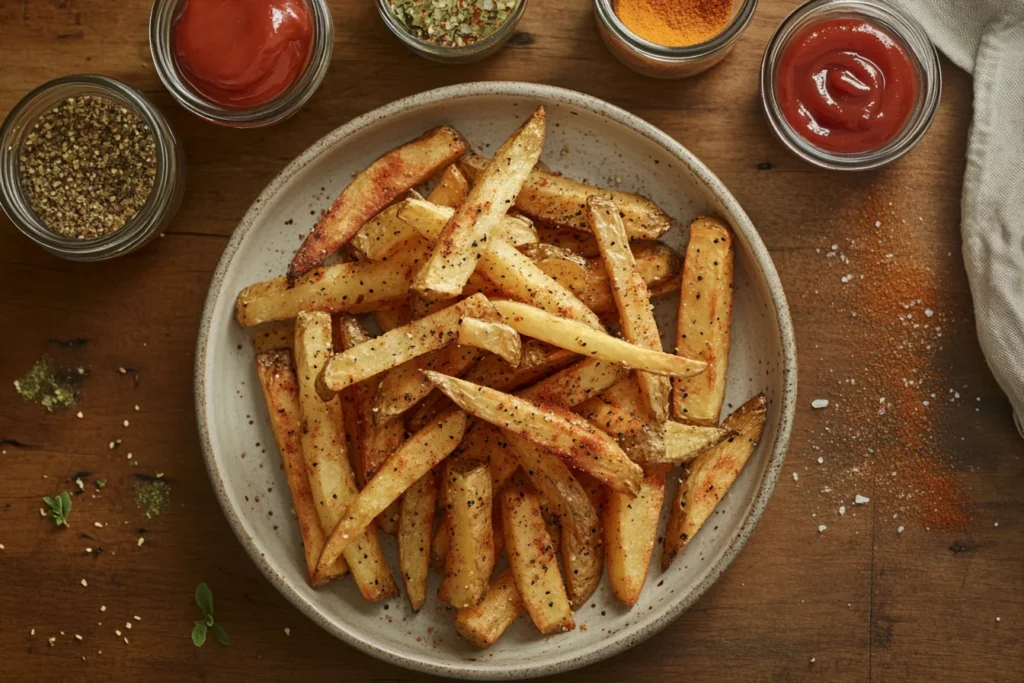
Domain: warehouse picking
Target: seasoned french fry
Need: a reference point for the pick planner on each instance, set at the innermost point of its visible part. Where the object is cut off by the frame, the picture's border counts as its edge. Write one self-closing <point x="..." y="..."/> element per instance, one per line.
<point x="578" y="338"/>
<point x="632" y="299"/>
<point x="358" y="287"/>
<point x="403" y="387"/>
<point x="470" y="558"/>
<point x="581" y="546"/>
<point x="510" y="274"/>
<point x="401" y="344"/>
<point x="416" y="457"/>
<point x="383" y="181"/>
<point x="465" y="238"/>
<point x="532" y="561"/>
<point x="451" y="189"/>
<point x="683" y="442"/>
<point x="631" y="527"/>
<point x="561" y="201"/>
<point x="325" y="451"/>
<point x="429" y="219"/>
<point x="711" y="475"/>
<point x="280" y="335"/>
<point x="415" y="528"/>
<point x="614" y="413"/>
<point x="374" y="440"/>
<point x="705" y="320"/>
<point x="657" y="264"/>
<point x="498" y="338"/>
<point x="389" y="319"/>
<point x="281" y="391"/>
<point x="482" y="624"/>
<point x="572" y="438"/>
<point x="574" y="241"/>
<point x="385" y="234"/>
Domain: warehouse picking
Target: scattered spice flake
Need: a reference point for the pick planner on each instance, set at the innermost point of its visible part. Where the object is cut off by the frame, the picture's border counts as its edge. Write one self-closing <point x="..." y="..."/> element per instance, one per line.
<point x="151" y="494"/>
<point x="51" y="388"/>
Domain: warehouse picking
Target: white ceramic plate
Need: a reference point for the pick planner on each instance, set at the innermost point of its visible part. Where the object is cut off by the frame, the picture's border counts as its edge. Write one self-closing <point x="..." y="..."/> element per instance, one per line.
<point x="589" y="140"/>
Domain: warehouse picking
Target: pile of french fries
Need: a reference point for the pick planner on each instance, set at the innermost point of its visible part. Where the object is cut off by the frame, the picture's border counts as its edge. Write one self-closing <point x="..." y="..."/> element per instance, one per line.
<point x="496" y="421"/>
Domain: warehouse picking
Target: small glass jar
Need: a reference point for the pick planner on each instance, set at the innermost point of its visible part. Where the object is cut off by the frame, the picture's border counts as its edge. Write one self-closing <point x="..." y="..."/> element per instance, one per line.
<point x="168" y="185"/>
<point x="898" y="24"/>
<point x="658" y="61"/>
<point x="161" y="25"/>
<point x="453" y="55"/>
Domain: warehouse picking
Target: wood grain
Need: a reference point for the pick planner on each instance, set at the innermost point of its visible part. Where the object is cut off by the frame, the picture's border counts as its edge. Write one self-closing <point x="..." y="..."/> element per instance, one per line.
<point x="857" y="602"/>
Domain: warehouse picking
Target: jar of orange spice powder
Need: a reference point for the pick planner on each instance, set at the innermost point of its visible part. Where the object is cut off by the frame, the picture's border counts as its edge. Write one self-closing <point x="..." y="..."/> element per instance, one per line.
<point x="672" y="38"/>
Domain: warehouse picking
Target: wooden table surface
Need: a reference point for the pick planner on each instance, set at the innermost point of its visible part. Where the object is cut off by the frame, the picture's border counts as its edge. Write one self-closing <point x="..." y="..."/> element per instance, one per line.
<point x="925" y="582"/>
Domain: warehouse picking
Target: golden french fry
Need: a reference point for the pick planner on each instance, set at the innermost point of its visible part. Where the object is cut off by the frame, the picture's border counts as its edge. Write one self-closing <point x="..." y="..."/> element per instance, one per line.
<point x="380" y="184"/>
<point x="451" y="189"/>
<point x="403" y="387"/>
<point x="464" y="239"/>
<point x="632" y="299"/>
<point x="685" y="442"/>
<point x="574" y="241"/>
<point x="503" y="269"/>
<point x="569" y="436"/>
<point x="614" y="413"/>
<point x="470" y="557"/>
<point x="429" y="219"/>
<point x="498" y="338"/>
<point x="482" y="624"/>
<point x="385" y="234"/>
<point x="657" y="264"/>
<point x="279" y="335"/>
<point x="705" y="320"/>
<point x="401" y="344"/>
<point x="578" y="338"/>
<point x="631" y="527"/>
<point x="415" y="528"/>
<point x="531" y="558"/>
<point x="390" y="318"/>
<point x="281" y="391"/>
<point x="358" y="287"/>
<point x="326" y="456"/>
<point x="711" y="475"/>
<point x="561" y="201"/>
<point x="416" y="457"/>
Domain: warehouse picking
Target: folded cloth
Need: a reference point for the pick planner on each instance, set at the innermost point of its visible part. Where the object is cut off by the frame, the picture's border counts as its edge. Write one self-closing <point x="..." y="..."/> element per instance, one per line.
<point x="986" y="38"/>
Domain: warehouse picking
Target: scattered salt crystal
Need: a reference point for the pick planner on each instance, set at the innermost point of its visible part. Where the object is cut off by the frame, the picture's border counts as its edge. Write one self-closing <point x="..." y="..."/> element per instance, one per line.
<point x="819" y="403"/>
<point x="861" y="500"/>
<point x="796" y="477"/>
<point x="996" y="524"/>
<point x="84" y="582"/>
<point x="287" y="631"/>
<point x="900" y="529"/>
<point x="878" y="224"/>
<point x="821" y="460"/>
<point x="821" y="529"/>
<point x="79" y="415"/>
<point x="126" y="423"/>
<point x="842" y="510"/>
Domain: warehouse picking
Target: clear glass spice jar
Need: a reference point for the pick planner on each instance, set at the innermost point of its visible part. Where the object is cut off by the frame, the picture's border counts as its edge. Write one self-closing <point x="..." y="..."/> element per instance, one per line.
<point x="161" y="27"/>
<point x="161" y="204"/>
<point x="453" y="55"/>
<point x="658" y="61"/>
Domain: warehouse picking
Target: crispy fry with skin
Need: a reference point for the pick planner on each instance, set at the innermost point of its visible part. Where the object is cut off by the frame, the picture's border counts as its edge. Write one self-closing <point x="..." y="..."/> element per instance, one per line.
<point x="614" y="413"/>
<point x="451" y="189"/>
<point x="429" y="219"/>
<point x="711" y="475"/>
<point x="561" y="201"/>
<point x="684" y="442"/>
<point x="569" y="436"/>
<point x="281" y="391"/>
<point x="416" y="457"/>
<point x="357" y="287"/>
<point x="470" y="557"/>
<point x="327" y="465"/>
<point x="389" y="319"/>
<point x="403" y="387"/>
<point x="575" y="241"/>
<point x="498" y="338"/>
<point x="631" y="298"/>
<point x="482" y="624"/>
<point x="464" y="239"/>
<point x="631" y="527"/>
<point x="578" y="338"/>
<point x="705" y="320"/>
<point x="531" y="558"/>
<point x="401" y="344"/>
<point x="372" y="190"/>
<point x="658" y="265"/>
<point x="415" y="529"/>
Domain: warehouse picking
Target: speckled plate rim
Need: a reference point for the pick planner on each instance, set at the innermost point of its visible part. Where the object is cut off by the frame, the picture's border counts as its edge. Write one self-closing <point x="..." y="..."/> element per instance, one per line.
<point x="617" y="642"/>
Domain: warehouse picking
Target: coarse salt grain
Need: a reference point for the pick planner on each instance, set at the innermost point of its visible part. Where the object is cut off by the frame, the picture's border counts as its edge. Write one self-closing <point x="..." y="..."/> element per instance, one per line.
<point x="287" y="631"/>
<point x="126" y="423"/>
<point x="796" y="477"/>
<point x="141" y="540"/>
<point x="842" y="510"/>
<point x="79" y="415"/>
<point x="819" y="403"/>
<point x="821" y="528"/>
<point x="900" y="529"/>
<point x="84" y="582"/>
<point x="861" y="500"/>
<point x="820" y="460"/>
<point x="103" y="608"/>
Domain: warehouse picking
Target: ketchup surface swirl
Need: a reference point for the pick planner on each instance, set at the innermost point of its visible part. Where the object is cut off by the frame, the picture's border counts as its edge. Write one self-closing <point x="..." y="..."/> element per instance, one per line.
<point x="846" y="86"/>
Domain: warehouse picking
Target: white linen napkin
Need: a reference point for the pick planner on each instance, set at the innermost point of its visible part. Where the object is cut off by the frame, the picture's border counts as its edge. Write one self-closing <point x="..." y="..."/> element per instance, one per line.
<point x="986" y="38"/>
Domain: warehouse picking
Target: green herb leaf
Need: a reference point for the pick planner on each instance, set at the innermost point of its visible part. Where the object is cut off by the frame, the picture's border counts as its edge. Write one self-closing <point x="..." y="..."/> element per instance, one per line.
<point x="50" y="502"/>
<point x="209" y="620"/>
<point x="219" y="634"/>
<point x="199" y="634"/>
<point x="204" y="598"/>
<point x="65" y="499"/>
<point x="60" y="507"/>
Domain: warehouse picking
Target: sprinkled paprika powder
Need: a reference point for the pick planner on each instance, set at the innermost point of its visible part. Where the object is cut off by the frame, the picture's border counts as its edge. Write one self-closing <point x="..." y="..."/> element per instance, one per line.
<point x="675" y="23"/>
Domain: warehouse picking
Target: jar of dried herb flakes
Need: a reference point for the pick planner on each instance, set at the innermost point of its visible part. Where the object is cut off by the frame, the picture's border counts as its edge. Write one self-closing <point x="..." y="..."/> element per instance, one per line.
<point x="453" y="31"/>
<point x="89" y="168"/>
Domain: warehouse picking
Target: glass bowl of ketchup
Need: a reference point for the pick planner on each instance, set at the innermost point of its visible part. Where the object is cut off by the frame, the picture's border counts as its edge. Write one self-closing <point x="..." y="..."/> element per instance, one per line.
<point x="850" y="84"/>
<point x="241" y="63"/>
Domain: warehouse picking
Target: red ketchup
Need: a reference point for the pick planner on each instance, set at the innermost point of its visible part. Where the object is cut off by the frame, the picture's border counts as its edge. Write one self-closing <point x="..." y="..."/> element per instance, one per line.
<point x="242" y="53"/>
<point x="846" y="86"/>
